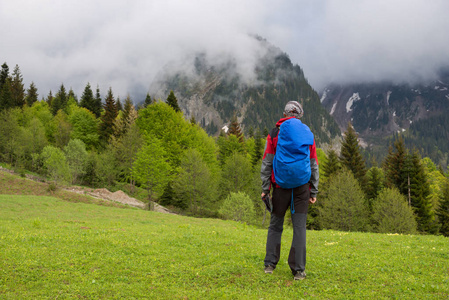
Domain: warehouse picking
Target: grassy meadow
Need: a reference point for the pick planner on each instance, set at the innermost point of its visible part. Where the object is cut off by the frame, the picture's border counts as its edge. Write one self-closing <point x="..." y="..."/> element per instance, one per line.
<point x="53" y="248"/>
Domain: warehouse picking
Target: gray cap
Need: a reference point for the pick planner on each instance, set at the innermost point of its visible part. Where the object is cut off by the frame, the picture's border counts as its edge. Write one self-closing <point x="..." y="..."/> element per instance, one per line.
<point x="293" y="109"/>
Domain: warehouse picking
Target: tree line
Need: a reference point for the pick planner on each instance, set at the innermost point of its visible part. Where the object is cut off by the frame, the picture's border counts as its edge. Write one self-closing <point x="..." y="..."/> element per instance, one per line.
<point x="154" y="153"/>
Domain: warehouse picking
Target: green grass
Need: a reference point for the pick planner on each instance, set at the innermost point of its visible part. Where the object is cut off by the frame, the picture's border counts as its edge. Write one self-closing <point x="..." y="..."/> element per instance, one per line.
<point x="51" y="248"/>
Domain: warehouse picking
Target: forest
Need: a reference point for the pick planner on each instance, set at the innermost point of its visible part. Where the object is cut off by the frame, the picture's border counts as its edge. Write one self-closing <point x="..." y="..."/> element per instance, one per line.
<point x="153" y="153"/>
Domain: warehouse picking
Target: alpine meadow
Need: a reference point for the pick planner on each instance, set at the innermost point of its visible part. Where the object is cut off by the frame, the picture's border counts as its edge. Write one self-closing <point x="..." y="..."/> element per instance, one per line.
<point x="186" y="161"/>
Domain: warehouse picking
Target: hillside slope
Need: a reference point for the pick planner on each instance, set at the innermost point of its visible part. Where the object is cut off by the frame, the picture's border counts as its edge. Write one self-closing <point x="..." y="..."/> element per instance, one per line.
<point x="213" y="92"/>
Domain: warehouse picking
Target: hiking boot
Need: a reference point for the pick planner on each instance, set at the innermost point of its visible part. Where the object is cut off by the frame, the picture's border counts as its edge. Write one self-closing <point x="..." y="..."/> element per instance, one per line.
<point x="300" y="275"/>
<point x="269" y="269"/>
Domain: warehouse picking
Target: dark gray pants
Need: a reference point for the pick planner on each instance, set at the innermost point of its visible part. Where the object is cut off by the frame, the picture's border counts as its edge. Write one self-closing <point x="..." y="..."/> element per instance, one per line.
<point x="282" y="199"/>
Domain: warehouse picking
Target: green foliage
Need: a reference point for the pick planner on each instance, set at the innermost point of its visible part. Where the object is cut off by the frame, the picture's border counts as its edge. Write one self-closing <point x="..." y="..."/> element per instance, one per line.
<point x="420" y="196"/>
<point x="238" y="207"/>
<point x="105" y="167"/>
<point x="17" y="88"/>
<point x="436" y="181"/>
<point x="331" y="166"/>
<point x="63" y="129"/>
<point x="9" y="130"/>
<point x="84" y="126"/>
<point x="151" y="168"/>
<point x="6" y="100"/>
<point x="177" y="134"/>
<point x="375" y="183"/>
<point x="76" y="156"/>
<point x="55" y="164"/>
<point x="443" y="210"/>
<point x="173" y="102"/>
<point x="236" y="175"/>
<point x="391" y="213"/>
<point x="60" y="100"/>
<point x="125" y="150"/>
<point x="194" y="186"/>
<point x="31" y="95"/>
<point x="107" y="126"/>
<point x="227" y="146"/>
<point x="345" y="207"/>
<point x="88" y="100"/>
<point x="351" y="157"/>
<point x="234" y="129"/>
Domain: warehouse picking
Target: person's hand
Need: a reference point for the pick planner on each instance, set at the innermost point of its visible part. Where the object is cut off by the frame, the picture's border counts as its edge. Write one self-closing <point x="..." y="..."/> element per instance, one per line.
<point x="312" y="200"/>
<point x="263" y="195"/>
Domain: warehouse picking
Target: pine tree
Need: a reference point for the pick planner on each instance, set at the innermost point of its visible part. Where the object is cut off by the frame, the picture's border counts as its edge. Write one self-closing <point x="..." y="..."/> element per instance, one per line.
<point x="50" y="98"/>
<point x="108" y="118"/>
<point x="31" y="95"/>
<point x="17" y="88"/>
<point x="234" y="128"/>
<point x="443" y="211"/>
<point x="6" y="100"/>
<point x="351" y="157"/>
<point x="119" y="104"/>
<point x="419" y="195"/>
<point x="148" y="100"/>
<point x="192" y="120"/>
<point x="60" y="100"/>
<point x="72" y="95"/>
<point x="258" y="148"/>
<point x="97" y="107"/>
<point x="87" y="99"/>
<point x="375" y="184"/>
<point x="173" y="101"/>
<point x="4" y="75"/>
<point x="396" y="168"/>
<point x="332" y="165"/>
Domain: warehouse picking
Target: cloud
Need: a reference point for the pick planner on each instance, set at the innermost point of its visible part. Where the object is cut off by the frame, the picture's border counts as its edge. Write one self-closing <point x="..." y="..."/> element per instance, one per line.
<point x="125" y="44"/>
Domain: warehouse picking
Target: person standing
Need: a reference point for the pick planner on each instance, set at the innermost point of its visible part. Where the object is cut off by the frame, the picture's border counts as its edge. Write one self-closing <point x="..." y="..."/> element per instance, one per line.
<point x="290" y="169"/>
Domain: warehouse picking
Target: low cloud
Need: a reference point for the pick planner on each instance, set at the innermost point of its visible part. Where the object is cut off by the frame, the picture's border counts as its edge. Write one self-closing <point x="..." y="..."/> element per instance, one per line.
<point x="124" y="45"/>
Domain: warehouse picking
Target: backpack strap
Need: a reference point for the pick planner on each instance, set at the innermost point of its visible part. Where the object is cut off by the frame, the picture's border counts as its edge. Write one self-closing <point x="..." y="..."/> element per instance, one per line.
<point x="273" y="134"/>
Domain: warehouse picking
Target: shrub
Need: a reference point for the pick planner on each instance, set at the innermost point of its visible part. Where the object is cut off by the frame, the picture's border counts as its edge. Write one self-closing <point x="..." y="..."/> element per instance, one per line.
<point x="237" y="207"/>
<point x="391" y="213"/>
<point x="345" y="207"/>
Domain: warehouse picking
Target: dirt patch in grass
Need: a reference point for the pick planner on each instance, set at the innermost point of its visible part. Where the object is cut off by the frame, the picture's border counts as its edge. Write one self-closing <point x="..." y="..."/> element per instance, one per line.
<point x="11" y="184"/>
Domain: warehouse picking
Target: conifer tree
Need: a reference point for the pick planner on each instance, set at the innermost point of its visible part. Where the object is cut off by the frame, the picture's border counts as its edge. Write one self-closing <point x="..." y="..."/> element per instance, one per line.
<point x="332" y="165"/>
<point x="87" y="99"/>
<point x="119" y="105"/>
<point x="419" y="195"/>
<point x="443" y="210"/>
<point x="17" y="88"/>
<point x="258" y="148"/>
<point x="5" y="95"/>
<point x="31" y="95"/>
<point x="60" y="100"/>
<point x="173" y="101"/>
<point x="396" y="167"/>
<point x="148" y="100"/>
<point x="234" y="128"/>
<point x="108" y="118"/>
<point x="50" y="98"/>
<point x="375" y="180"/>
<point x="4" y="74"/>
<point x="193" y="120"/>
<point x="351" y="157"/>
<point x="97" y="108"/>
<point x="72" y="95"/>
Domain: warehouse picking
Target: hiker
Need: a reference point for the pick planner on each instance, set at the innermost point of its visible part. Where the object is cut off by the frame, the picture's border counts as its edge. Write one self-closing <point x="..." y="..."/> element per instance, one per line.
<point x="290" y="168"/>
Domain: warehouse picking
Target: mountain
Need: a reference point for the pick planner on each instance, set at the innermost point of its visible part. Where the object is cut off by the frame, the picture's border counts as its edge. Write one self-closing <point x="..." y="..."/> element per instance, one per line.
<point x="379" y="111"/>
<point x="212" y="92"/>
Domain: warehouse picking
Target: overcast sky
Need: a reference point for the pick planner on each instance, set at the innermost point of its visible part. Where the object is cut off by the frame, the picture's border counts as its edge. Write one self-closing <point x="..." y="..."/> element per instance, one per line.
<point x="124" y="44"/>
